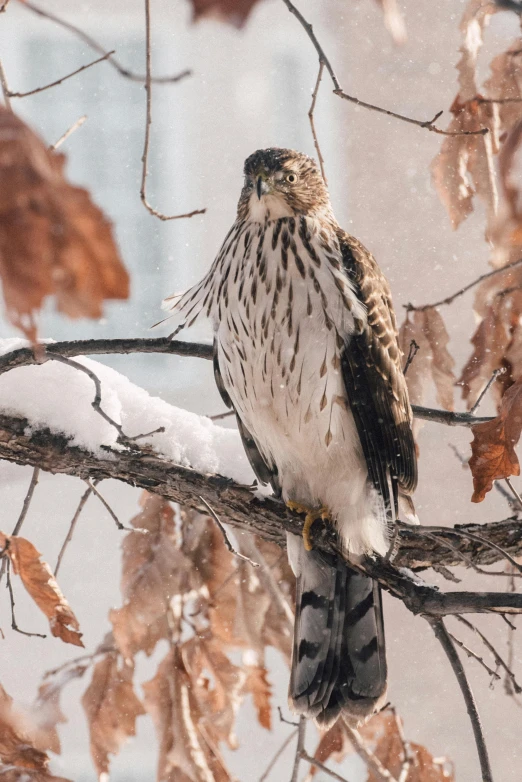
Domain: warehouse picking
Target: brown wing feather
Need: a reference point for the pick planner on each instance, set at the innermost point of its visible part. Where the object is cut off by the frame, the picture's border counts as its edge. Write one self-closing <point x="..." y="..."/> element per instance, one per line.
<point x="374" y="380"/>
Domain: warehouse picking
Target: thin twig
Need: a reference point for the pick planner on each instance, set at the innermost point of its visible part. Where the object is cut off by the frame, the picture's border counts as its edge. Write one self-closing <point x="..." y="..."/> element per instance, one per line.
<point x="85" y="496"/>
<point x="5" y="87"/>
<point x="465" y="289"/>
<point x="267" y="579"/>
<point x="444" y="639"/>
<point x="220" y="416"/>
<point x="312" y="123"/>
<point x="470" y="653"/>
<point x="465" y="558"/>
<point x="372" y="761"/>
<point x="69" y="132"/>
<point x="60" y="81"/>
<point x="322" y="767"/>
<point x="226" y="540"/>
<point x="515" y="493"/>
<point x="498" y="659"/>
<point x="14" y="624"/>
<point x="23" y="513"/>
<point x="496" y="373"/>
<point x="283" y="719"/>
<point x="424" y="529"/>
<point x="301" y="735"/>
<point x="106" y="505"/>
<point x="407" y="755"/>
<point x="414" y="349"/>
<point x="148" y="122"/>
<point x="277" y="755"/>
<point x="128" y="74"/>
<point x="427" y="124"/>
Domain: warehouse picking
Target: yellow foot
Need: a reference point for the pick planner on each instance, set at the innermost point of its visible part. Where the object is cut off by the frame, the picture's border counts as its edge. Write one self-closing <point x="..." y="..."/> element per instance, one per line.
<point x="311" y="515"/>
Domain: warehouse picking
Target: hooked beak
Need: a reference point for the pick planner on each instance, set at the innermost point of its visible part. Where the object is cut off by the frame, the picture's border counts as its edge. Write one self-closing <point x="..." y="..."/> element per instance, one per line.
<point x="261" y="187"/>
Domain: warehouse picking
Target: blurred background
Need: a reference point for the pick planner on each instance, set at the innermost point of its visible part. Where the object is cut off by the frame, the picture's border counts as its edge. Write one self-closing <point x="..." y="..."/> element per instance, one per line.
<point x="251" y="88"/>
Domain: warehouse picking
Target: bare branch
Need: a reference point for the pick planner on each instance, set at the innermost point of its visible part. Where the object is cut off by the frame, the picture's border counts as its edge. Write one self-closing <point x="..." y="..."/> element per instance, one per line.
<point x="277" y="755"/>
<point x="14" y="625"/>
<point x="450" y="299"/>
<point x="474" y="656"/>
<point x="60" y="81"/>
<point x="447" y="644"/>
<point x="427" y="124"/>
<point x="85" y="496"/>
<point x="25" y="357"/>
<point x="496" y="373"/>
<point x="498" y="659"/>
<point x="5" y="87"/>
<point x="322" y="767"/>
<point x="412" y="352"/>
<point x="23" y="513"/>
<point x="119" y="525"/>
<point x="69" y="132"/>
<point x="312" y="123"/>
<point x="148" y="122"/>
<point x="372" y="761"/>
<point x="301" y="733"/>
<point x="128" y="74"/>
<point x="226" y="539"/>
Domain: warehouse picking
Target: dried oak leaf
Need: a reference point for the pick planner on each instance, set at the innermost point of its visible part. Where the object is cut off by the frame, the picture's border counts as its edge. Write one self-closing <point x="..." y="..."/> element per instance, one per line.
<point x="53" y="239"/>
<point x="427" y="329"/>
<point x="112" y="708"/>
<point x="39" y="581"/>
<point x="187" y="752"/>
<point x="334" y="743"/>
<point x="493" y="446"/>
<point x="235" y="12"/>
<point x="18" y="749"/>
<point x="257" y="684"/>
<point x="495" y="343"/>
<point x="382" y="733"/>
<point x="154" y="570"/>
<point x="216" y="685"/>
<point x="464" y="166"/>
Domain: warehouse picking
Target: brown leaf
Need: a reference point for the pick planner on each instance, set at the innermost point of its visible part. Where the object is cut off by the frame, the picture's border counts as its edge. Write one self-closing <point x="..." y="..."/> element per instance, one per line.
<point x="111" y="707"/>
<point x="234" y="12"/>
<point x="187" y="754"/>
<point x="333" y="744"/>
<point x="258" y="685"/>
<point x="493" y="447"/>
<point x="491" y="342"/>
<point x="216" y="685"/>
<point x="383" y="733"/>
<point x="154" y="570"/>
<point x="18" y="748"/>
<point x="464" y="166"/>
<point x="53" y="239"/>
<point x="39" y="581"/>
<point x="427" y="329"/>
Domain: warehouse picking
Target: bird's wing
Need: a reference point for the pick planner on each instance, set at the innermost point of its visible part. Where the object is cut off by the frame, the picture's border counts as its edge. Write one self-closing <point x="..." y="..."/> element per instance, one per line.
<point x="374" y="380"/>
<point x="265" y="473"/>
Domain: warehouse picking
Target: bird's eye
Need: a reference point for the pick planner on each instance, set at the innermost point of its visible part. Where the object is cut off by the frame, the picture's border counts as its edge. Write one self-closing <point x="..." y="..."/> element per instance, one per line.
<point x="292" y="178"/>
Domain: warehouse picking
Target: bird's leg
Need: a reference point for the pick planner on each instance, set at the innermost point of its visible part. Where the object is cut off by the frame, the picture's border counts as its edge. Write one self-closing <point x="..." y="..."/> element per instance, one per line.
<point x="311" y="515"/>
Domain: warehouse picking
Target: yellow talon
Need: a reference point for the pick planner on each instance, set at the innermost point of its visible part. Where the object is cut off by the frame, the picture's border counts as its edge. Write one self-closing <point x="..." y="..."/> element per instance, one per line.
<point x="311" y="515"/>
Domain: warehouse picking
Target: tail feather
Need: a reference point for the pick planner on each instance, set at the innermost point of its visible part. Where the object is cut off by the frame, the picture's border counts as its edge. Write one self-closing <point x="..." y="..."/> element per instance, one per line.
<point x="339" y="659"/>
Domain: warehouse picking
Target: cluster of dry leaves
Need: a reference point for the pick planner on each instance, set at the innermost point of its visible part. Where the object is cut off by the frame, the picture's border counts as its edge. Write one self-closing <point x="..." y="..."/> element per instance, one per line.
<point x="53" y="239"/>
<point x="214" y="614"/>
<point x="484" y="166"/>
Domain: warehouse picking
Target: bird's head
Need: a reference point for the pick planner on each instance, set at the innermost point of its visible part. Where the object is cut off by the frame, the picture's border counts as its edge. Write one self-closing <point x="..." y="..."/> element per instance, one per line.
<point x="282" y="183"/>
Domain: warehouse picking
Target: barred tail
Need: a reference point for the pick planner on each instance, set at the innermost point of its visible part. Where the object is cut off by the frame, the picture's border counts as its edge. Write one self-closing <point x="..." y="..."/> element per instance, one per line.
<point x="339" y="658"/>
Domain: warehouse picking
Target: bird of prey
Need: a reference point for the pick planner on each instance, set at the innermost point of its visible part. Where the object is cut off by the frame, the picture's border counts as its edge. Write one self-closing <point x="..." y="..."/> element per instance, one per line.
<point x="306" y="354"/>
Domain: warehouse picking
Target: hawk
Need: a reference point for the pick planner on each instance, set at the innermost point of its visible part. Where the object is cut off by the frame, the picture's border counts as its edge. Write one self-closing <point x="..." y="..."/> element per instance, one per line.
<point x="306" y="354"/>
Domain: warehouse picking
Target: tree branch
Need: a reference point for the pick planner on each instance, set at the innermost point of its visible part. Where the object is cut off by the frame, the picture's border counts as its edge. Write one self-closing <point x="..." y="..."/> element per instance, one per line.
<point x="447" y="644"/>
<point x="427" y="124"/>
<point x="268" y="517"/>
<point x="23" y="357"/>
